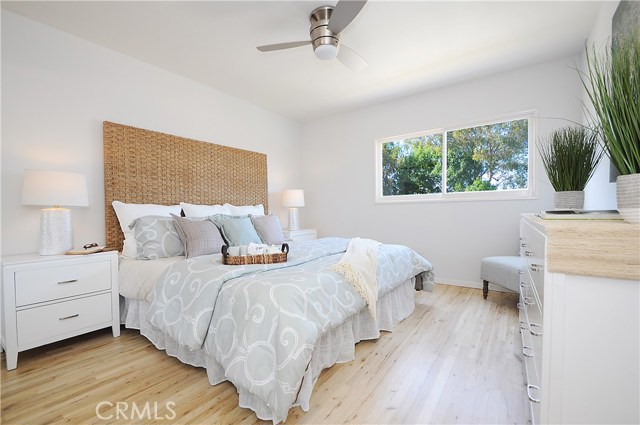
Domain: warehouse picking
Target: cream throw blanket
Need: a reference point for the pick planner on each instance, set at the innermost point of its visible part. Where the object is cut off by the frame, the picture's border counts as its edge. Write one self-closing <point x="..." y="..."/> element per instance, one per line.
<point x="358" y="266"/>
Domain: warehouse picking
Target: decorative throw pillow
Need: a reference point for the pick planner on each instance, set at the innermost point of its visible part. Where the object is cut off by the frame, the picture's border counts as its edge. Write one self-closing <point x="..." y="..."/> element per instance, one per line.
<point x="236" y="230"/>
<point x="199" y="236"/>
<point x="268" y="228"/>
<point x="126" y="213"/>
<point x="156" y="237"/>
<point x="192" y="210"/>
<point x="245" y="209"/>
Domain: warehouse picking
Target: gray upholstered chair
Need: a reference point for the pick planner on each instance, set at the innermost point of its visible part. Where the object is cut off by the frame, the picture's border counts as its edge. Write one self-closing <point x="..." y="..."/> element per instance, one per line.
<point x="502" y="271"/>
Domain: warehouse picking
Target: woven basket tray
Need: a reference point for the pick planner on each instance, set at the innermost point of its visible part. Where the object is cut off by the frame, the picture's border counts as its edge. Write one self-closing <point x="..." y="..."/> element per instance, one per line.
<point x="238" y="260"/>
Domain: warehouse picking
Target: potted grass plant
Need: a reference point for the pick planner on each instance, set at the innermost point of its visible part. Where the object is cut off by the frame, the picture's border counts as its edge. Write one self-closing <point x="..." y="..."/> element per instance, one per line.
<point x="570" y="158"/>
<point x="613" y="86"/>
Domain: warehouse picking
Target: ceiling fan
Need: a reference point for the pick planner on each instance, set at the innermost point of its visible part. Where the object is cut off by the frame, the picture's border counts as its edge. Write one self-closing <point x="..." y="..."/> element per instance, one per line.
<point x="327" y="22"/>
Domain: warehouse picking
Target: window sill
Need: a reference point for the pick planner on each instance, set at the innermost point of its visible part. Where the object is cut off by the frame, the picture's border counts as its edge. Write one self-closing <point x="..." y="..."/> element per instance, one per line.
<point x="466" y="197"/>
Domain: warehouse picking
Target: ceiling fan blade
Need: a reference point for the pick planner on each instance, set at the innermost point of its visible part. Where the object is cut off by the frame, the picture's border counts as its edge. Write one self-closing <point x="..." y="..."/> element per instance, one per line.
<point x="282" y="46"/>
<point x="344" y="12"/>
<point x="351" y="59"/>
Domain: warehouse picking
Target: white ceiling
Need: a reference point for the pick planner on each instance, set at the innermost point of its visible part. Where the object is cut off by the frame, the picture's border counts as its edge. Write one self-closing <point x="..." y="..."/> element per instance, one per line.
<point x="410" y="46"/>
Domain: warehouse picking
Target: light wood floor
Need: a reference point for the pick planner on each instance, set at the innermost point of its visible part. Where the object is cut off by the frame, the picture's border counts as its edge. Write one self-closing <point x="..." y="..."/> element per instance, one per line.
<point x="455" y="360"/>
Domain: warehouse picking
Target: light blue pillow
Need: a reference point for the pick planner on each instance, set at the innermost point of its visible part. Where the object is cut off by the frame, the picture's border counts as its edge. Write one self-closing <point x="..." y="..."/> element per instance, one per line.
<point x="236" y="230"/>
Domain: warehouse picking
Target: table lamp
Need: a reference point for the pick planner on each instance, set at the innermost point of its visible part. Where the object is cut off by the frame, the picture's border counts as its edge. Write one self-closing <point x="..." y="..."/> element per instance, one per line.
<point x="55" y="188"/>
<point x="293" y="198"/>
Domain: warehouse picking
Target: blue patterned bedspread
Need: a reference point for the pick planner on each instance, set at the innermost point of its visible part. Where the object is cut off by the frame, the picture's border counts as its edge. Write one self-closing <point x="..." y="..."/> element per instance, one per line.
<point x="261" y="322"/>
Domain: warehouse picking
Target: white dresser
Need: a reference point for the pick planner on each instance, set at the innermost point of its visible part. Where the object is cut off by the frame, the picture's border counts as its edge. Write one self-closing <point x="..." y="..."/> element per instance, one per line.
<point x="580" y="320"/>
<point x="50" y="298"/>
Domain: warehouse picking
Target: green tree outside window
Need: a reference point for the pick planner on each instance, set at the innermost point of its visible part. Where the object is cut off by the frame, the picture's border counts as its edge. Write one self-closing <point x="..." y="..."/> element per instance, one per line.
<point x="482" y="158"/>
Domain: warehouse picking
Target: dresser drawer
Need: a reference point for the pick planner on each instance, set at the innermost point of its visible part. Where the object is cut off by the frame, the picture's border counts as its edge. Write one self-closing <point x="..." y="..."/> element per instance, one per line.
<point x="58" y="320"/>
<point x="534" y="337"/>
<point x="531" y="327"/>
<point x="534" y="408"/>
<point x="531" y="303"/>
<point x="56" y="282"/>
<point x="532" y="368"/>
<point x="533" y="251"/>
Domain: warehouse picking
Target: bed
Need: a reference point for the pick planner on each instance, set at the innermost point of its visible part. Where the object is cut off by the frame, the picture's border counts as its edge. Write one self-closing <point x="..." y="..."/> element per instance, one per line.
<point x="270" y="329"/>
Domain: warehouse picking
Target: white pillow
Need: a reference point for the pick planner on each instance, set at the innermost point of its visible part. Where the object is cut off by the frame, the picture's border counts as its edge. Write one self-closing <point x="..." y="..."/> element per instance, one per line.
<point x="245" y="209"/>
<point x="127" y="213"/>
<point x="191" y="210"/>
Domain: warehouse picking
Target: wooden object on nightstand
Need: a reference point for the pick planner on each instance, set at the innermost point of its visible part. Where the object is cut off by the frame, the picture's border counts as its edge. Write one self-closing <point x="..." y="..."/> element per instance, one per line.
<point x="300" y="235"/>
<point x="51" y="298"/>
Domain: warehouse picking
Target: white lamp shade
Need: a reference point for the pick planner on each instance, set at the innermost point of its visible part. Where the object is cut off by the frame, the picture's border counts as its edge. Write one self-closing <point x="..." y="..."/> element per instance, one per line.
<point x="46" y="187"/>
<point x="293" y="198"/>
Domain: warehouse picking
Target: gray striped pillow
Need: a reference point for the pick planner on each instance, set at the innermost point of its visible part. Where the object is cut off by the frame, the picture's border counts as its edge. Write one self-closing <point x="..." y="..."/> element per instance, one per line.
<point x="199" y="236"/>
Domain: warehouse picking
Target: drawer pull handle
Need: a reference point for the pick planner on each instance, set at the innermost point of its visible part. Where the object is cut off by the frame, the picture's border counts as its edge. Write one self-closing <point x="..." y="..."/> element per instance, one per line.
<point x="528" y="301"/>
<point x="69" y="317"/>
<point x="529" y="253"/>
<point x="536" y="267"/>
<point x="67" y="281"/>
<point x="532" y="399"/>
<point x="523" y="326"/>
<point x="535" y="325"/>
<point x="523" y="285"/>
<point x="520" y="306"/>
<point x="527" y="351"/>
<point x="524" y="244"/>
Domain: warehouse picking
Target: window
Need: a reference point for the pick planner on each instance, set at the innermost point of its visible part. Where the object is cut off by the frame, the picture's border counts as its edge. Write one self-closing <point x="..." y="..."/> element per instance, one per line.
<point x="490" y="160"/>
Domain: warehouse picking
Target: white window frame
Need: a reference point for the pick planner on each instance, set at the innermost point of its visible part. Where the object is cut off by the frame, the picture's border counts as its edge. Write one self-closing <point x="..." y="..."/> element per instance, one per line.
<point x="493" y="195"/>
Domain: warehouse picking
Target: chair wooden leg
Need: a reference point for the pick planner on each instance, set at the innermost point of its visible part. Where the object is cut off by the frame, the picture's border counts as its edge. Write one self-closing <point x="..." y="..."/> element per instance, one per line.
<point x="485" y="289"/>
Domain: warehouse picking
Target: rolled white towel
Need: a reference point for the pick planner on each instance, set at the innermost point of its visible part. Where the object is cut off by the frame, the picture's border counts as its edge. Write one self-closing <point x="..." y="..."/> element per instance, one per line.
<point x="273" y="249"/>
<point x="257" y="248"/>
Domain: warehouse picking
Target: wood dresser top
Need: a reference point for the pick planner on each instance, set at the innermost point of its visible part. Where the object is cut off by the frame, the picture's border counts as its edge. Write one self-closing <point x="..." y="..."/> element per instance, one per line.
<point x="601" y="248"/>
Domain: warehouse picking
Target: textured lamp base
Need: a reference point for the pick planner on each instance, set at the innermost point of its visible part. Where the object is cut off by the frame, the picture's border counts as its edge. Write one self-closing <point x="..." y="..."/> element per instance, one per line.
<point x="55" y="231"/>
<point x="293" y="219"/>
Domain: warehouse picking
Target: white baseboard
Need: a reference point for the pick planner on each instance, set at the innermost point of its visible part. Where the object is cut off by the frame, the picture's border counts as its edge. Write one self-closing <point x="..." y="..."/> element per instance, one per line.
<point x="467" y="284"/>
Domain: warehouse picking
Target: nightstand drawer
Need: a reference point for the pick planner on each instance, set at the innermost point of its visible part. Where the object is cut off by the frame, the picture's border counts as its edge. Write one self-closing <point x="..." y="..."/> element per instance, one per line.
<point x="52" y="283"/>
<point x="59" y="320"/>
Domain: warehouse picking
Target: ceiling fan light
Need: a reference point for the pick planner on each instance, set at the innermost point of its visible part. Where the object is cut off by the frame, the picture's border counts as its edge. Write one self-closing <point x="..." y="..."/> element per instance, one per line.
<point x="326" y="51"/>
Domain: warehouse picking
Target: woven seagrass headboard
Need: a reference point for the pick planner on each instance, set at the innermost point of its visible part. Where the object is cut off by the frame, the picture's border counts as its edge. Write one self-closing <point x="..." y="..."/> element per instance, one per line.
<point x="147" y="167"/>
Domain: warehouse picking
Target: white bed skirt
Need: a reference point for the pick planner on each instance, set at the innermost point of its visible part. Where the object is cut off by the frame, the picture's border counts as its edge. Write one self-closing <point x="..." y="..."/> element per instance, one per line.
<point x="335" y="346"/>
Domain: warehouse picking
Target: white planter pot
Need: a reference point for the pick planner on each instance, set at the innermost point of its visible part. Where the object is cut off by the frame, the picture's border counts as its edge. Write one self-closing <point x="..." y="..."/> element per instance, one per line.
<point x="628" y="197"/>
<point x="569" y="200"/>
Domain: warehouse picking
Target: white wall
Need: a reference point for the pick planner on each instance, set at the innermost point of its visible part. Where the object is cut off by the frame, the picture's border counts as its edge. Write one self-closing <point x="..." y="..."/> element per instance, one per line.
<point x="339" y="163"/>
<point x="600" y="193"/>
<point x="56" y="91"/>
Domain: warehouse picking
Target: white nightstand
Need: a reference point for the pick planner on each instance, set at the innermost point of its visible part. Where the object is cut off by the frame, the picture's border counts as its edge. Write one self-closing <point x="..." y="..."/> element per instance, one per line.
<point x="50" y="298"/>
<point x="300" y="235"/>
